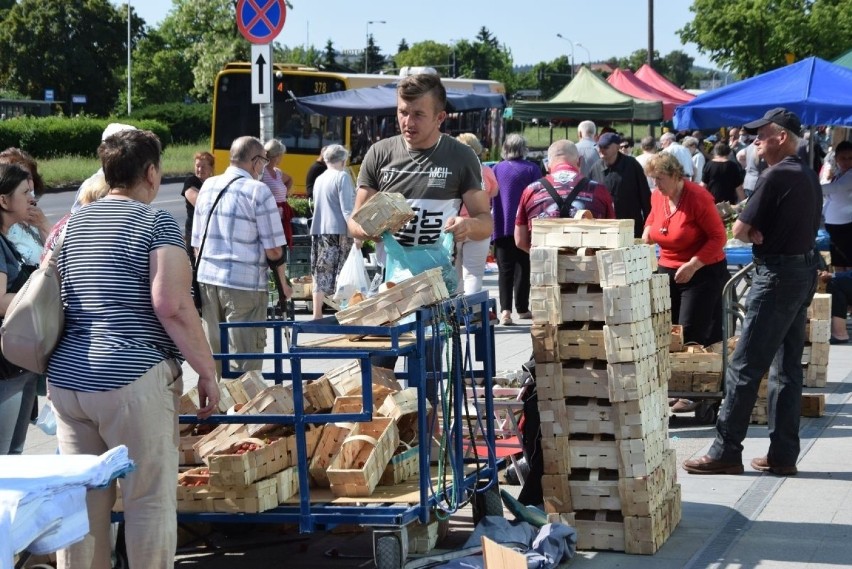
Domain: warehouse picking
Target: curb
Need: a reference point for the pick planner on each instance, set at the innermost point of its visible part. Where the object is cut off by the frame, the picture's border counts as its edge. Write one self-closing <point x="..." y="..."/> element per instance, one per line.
<point x="72" y="187"/>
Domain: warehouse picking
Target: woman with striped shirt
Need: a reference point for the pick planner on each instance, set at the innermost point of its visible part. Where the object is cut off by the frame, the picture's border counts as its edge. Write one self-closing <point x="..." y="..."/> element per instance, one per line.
<point x="115" y="377"/>
<point x="279" y="183"/>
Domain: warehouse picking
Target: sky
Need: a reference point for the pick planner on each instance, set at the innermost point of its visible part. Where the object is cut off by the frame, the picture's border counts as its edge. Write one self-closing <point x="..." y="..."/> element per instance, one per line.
<point x="597" y="29"/>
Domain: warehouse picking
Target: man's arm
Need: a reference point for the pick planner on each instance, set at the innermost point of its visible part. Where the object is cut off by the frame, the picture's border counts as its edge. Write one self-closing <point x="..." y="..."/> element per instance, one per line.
<point x="480" y="223"/>
<point x="523" y="238"/>
<point x="746" y="233"/>
<point x="361" y="197"/>
<point x="278" y="263"/>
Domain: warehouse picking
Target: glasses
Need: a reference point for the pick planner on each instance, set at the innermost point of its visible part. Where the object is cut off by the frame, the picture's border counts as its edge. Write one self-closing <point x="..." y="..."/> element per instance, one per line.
<point x="263" y="159"/>
<point x="624" y="146"/>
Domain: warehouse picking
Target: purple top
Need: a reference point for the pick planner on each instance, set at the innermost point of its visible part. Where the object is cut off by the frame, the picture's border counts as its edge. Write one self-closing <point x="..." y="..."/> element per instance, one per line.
<point x="513" y="176"/>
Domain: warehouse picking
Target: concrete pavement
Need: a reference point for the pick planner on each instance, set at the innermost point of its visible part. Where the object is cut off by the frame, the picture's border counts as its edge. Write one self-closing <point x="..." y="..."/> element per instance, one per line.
<point x="748" y="520"/>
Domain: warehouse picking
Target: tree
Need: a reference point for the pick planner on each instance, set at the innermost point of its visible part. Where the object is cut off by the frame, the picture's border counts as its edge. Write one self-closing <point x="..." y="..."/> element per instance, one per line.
<point x="403" y="46"/>
<point x="485" y="59"/>
<point x="751" y="37"/>
<point x="375" y="61"/>
<point x="70" y="47"/>
<point x="639" y="58"/>
<point x="551" y="77"/>
<point x="678" y="67"/>
<point x="310" y="57"/>
<point x="160" y="74"/>
<point x="329" y="55"/>
<point x="426" y="54"/>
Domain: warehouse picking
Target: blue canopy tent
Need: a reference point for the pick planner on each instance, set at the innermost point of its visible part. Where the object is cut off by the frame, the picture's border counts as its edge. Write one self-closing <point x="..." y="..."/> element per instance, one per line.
<point x="381" y="100"/>
<point x="818" y="91"/>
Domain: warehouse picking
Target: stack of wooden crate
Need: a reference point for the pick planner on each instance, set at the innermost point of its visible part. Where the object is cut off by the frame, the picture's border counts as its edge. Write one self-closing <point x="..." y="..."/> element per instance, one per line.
<point x="817" y="337"/>
<point x="601" y="334"/>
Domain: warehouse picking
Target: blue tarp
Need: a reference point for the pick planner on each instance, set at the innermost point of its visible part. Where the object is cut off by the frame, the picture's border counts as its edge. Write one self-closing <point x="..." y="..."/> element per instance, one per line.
<point x="818" y="91"/>
<point x="381" y="100"/>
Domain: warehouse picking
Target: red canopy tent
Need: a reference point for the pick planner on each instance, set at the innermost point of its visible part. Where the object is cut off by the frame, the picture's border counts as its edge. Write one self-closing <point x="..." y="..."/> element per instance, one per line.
<point x="647" y="75"/>
<point x="625" y="81"/>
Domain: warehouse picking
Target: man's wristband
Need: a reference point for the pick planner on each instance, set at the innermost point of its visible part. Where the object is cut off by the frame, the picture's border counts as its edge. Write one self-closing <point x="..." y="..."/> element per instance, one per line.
<point x="274" y="264"/>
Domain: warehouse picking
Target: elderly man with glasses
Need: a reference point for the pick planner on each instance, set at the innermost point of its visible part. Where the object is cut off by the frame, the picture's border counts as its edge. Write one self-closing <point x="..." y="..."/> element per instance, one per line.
<point x="237" y="235"/>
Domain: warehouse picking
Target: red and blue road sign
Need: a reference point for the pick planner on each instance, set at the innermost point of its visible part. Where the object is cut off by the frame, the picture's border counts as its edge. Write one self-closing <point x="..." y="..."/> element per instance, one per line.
<point x="260" y="21"/>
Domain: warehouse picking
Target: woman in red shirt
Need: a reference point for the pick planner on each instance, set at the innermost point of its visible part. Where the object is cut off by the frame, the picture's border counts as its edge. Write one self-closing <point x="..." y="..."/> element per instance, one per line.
<point x="687" y="227"/>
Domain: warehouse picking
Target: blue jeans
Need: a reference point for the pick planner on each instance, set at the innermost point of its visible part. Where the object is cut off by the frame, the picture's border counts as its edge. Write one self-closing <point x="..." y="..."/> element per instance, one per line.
<point x="17" y="396"/>
<point x="773" y="337"/>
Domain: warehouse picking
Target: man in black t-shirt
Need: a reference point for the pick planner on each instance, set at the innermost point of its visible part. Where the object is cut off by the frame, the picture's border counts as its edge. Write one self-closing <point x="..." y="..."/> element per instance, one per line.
<point x="781" y="220"/>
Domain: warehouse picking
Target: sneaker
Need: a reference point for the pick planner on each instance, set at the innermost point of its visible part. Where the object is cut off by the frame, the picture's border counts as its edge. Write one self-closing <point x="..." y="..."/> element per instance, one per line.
<point x="684" y="406"/>
<point x="524" y="315"/>
<point x="506" y="318"/>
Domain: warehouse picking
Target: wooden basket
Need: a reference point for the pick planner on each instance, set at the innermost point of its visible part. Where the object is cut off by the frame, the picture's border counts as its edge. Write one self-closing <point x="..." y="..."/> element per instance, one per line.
<point x="257" y="497"/>
<point x="402" y="408"/>
<point x="405" y="298"/>
<point x="385" y="211"/>
<point x="332" y="438"/>
<point x="403" y="465"/>
<point x="356" y="469"/>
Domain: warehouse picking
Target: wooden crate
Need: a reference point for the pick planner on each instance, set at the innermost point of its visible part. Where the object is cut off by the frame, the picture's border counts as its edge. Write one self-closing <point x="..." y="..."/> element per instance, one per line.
<point x="576" y="233"/>
<point x="624" y="304"/>
<point x="593" y="451"/>
<point x="632" y="380"/>
<point x="255" y="498"/>
<point x="394" y="303"/>
<point x="253" y="383"/>
<point x="676" y="341"/>
<point x="639" y="457"/>
<point x="237" y="390"/>
<point x="594" y="489"/>
<point x="626" y="265"/>
<point x="661" y="299"/>
<point x="346" y="380"/>
<point x="817" y="331"/>
<point x="820" y="307"/>
<point x="589" y="415"/>
<point x="695" y="359"/>
<point x="556" y="492"/>
<point x="554" y="304"/>
<point x="554" y="266"/>
<point x="581" y="340"/>
<point x="318" y="395"/>
<point x="572" y="378"/>
<point x="815" y="354"/>
<point x="288" y="483"/>
<point x="402" y="408"/>
<point x="545" y="304"/>
<point x="643" y="494"/>
<point x="664" y="367"/>
<point x="189" y="403"/>
<point x="554" y="418"/>
<point x="601" y="530"/>
<point x="404" y="464"/>
<point x="332" y="438"/>
<point x="384" y="211"/>
<point x="422" y="538"/>
<point x="815" y="375"/>
<point x="555" y="452"/>
<point x="645" y="535"/>
<point x="545" y="343"/>
<point x="629" y="342"/>
<point x="356" y="469"/>
<point x="303" y="287"/>
<point x="187" y="455"/>
<point x="640" y="418"/>
<point x="813" y="404"/>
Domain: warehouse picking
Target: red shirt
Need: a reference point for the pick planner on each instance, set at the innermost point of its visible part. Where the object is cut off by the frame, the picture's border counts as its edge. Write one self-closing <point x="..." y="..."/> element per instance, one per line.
<point x="694" y="228"/>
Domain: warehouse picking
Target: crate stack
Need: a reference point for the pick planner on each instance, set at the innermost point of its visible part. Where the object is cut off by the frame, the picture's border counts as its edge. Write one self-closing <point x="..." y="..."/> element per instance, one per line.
<point x="601" y="334"/>
<point x="817" y="337"/>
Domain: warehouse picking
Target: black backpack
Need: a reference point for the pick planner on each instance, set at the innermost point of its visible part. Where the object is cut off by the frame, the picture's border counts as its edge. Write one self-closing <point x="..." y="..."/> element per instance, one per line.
<point x="564" y="205"/>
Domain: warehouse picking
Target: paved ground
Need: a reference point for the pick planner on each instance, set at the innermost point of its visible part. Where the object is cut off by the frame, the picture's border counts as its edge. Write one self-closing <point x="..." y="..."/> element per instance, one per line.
<point x="745" y="521"/>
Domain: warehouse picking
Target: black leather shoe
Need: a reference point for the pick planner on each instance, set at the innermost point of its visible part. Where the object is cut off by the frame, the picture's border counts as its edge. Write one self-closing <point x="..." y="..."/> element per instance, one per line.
<point x="762" y="464"/>
<point x="708" y="465"/>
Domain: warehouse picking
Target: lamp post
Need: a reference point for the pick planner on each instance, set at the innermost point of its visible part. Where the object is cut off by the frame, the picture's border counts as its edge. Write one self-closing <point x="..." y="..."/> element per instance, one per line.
<point x="560" y="36"/>
<point x="588" y="54"/>
<point x="367" y="47"/>
<point x="129" y="106"/>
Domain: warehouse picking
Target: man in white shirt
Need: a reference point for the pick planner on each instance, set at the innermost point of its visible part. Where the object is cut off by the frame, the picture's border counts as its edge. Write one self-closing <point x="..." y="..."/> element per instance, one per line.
<point x="670" y="145"/>
<point x="698" y="159"/>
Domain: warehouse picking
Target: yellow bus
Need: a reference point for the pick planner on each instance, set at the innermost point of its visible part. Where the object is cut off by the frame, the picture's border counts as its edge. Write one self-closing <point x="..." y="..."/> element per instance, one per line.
<point x="305" y="134"/>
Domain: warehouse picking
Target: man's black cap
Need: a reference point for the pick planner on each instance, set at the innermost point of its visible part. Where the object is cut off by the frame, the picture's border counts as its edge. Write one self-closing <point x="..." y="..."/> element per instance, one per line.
<point x="780" y="116"/>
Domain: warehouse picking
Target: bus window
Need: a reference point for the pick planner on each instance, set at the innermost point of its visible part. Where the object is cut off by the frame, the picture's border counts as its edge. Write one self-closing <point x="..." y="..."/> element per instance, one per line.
<point x="304" y="133"/>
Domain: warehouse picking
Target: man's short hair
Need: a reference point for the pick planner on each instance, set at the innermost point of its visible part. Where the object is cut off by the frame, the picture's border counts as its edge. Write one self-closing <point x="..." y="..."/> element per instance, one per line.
<point x="514" y="147"/>
<point x="668" y="137"/>
<point x="244" y="148"/>
<point x="565" y="149"/>
<point x="843" y="146"/>
<point x="587" y="129"/>
<point x="413" y="87"/>
<point x="648" y="143"/>
<point x="690" y="142"/>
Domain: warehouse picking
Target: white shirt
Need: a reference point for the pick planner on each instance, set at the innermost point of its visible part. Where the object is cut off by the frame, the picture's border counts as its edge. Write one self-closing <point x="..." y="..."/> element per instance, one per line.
<point x="698" y="162"/>
<point x="683" y="156"/>
<point x="837" y="200"/>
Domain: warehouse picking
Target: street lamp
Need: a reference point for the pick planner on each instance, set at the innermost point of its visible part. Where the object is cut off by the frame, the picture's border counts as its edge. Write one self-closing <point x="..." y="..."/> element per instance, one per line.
<point x="560" y="36"/>
<point x="367" y="48"/>
<point x="129" y="107"/>
<point x="588" y="54"/>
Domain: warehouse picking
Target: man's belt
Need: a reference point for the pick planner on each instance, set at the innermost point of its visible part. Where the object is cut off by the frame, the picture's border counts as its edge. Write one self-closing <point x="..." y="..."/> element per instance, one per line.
<point x="784" y="259"/>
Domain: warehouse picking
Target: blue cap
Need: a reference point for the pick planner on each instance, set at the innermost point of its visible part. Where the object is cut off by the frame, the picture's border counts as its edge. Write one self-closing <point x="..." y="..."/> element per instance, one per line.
<point x="608" y="138"/>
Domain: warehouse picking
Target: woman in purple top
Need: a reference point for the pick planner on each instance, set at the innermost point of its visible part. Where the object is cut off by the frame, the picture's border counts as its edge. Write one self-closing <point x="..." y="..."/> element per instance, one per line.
<point x="514" y="174"/>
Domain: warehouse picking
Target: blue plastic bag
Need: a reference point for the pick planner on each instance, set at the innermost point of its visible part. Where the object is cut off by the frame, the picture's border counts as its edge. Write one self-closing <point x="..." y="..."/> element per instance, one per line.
<point x="404" y="262"/>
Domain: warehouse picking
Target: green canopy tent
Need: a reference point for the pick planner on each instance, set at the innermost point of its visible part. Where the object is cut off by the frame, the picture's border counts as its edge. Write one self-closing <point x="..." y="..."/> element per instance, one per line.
<point x="845" y="60"/>
<point x="588" y="97"/>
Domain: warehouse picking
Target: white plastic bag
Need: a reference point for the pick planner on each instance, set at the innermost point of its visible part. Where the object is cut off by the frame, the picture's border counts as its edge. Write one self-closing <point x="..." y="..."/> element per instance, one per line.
<point x="352" y="278"/>
<point x="47" y="420"/>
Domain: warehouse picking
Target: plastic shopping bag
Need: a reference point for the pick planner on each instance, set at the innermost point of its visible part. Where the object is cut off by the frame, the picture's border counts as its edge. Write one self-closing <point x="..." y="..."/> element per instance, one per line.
<point x="352" y="278"/>
<point x="405" y="262"/>
<point x="47" y="420"/>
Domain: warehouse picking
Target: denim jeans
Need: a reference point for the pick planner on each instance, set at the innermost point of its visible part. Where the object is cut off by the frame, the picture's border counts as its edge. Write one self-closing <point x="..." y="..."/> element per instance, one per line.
<point x="773" y="337"/>
<point x="16" y="405"/>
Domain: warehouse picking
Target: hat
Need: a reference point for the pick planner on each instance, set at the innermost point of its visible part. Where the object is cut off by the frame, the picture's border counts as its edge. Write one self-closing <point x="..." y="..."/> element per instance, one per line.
<point x="114" y="128"/>
<point x="608" y="138"/>
<point x="780" y="116"/>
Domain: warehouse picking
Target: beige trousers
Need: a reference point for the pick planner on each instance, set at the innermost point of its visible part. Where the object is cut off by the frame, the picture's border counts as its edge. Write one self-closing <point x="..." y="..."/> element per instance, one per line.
<point x="221" y="304"/>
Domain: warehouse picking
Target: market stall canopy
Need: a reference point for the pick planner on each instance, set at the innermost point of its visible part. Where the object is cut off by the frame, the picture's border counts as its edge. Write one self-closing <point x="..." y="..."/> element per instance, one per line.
<point x="625" y="81"/>
<point x="845" y="60"/>
<point x="588" y="97"/>
<point x="381" y="100"/>
<point x="649" y="76"/>
<point x="818" y="91"/>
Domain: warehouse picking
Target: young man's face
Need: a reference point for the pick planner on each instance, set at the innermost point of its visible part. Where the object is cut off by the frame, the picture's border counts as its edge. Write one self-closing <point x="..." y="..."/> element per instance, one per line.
<point x="420" y="121"/>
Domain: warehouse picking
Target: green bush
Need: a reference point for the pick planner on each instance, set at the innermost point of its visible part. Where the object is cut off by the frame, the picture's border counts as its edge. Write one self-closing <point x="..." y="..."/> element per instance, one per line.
<point x="51" y="137"/>
<point x="301" y="207"/>
<point x="188" y="123"/>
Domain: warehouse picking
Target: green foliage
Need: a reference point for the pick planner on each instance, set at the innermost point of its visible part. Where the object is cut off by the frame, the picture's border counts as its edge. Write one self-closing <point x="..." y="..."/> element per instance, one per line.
<point x="375" y="60"/>
<point x="301" y="207"/>
<point x="676" y="66"/>
<point x="310" y="57"/>
<point x="50" y="137"/>
<point x="161" y="74"/>
<point x="426" y="54"/>
<point x="551" y="76"/>
<point x="484" y="59"/>
<point x="329" y="54"/>
<point x="187" y="123"/>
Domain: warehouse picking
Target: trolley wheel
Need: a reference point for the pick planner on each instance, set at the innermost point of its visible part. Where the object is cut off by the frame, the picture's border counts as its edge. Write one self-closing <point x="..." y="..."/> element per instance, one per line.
<point x="706" y="412"/>
<point x="387" y="552"/>
<point x="487" y="503"/>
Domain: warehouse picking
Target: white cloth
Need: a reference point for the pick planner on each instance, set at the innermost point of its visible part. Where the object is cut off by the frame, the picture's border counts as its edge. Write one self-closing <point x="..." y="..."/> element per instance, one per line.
<point x="698" y="162"/>
<point x="683" y="156"/>
<point x="837" y="200"/>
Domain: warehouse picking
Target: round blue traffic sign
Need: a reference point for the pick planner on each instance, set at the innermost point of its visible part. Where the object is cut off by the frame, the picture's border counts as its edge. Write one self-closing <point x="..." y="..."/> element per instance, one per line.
<point x="260" y="21"/>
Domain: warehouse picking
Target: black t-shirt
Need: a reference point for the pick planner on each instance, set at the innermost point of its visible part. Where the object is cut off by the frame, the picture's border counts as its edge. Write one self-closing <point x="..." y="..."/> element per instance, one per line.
<point x="314" y="172"/>
<point x="722" y="179"/>
<point x="786" y="207"/>
<point x="191" y="182"/>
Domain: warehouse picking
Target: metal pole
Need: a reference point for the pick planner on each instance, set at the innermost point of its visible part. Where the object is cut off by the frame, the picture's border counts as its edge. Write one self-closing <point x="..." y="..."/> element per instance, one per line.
<point x="651" y="49"/>
<point x="129" y="105"/>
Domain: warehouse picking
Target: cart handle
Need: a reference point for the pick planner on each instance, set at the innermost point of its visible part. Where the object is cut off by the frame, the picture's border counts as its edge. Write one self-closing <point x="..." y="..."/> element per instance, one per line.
<point x="364" y="438"/>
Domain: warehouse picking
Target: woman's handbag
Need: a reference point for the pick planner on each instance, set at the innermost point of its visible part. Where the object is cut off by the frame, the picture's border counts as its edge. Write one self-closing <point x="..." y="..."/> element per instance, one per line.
<point x="34" y="321"/>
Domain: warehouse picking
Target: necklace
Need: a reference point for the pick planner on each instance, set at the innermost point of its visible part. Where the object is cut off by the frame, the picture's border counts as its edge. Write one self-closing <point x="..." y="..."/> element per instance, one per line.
<point x="421" y="160"/>
<point x="664" y="228"/>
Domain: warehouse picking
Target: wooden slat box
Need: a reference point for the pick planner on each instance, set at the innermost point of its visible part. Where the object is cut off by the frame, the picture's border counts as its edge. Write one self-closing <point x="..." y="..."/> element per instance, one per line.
<point x="632" y="380"/>
<point x="813" y="404"/>
<point x="303" y="287"/>
<point x="253" y="383"/>
<point x="187" y="455"/>
<point x="288" y="483"/>
<point x="696" y="361"/>
<point x="358" y="466"/>
<point x="545" y="346"/>
<point x="815" y="354"/>
<point x="402" y="408"/>
<point x="676" y="342"/>
<point x="571" y="378"/>
<point x="404" y="464"/>
<point x="591" y="416"/>
<point x="384" y="211"/>
<point x="346" y="380"/>
<point x="627" y="303"/>
<point x="554" y="266"/>
<point x="394" y="303"/>
<point x="554" y="304"/>
<point x="629" y="342"/>
<point x="664" y="367"/>
<point x="576" y="233"/>
<point x="554" y="418"/>
<point x="593" y="451"/>
<point x="640" y="418"/>
<point x="332" y="438"/>
<point x="318" y="395"/>
<point x="816" y="375"/>
<point x="257" y="497"/>
<point x="818" y="331"/>
<point x="626" y="265"/>
<point x="639" y="457"/>
<point x="600" y="530"/>
<point x="189" y="401"/>
<point x="643" y="494"/>
<point x="820" y="307"/>
<point x="583" y="341"/>
<point x="555" y="452"/>
<point x="661" y="299"/>
<point x="557" y="493"/>
<point x="646" y="535"/>
<point x="594" y="489"/>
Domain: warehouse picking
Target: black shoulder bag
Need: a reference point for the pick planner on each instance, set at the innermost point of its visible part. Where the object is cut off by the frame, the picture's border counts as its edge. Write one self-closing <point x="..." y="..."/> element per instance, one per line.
<point x="196" y="288"/>
<point x="564" y="205"/>
<point x="8" y="370"/>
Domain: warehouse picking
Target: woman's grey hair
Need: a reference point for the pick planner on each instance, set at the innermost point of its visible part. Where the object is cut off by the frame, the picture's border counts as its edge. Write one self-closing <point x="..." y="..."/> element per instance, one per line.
<point x="335" y="153"/>
<point x="690" y="142"/>
<point x="514" y="147"/>
<point x="274" y="148"/>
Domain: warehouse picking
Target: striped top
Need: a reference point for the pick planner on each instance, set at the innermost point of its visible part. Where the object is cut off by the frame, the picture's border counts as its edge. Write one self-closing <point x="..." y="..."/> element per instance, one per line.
<point x="112" y="335"/>
<point x="276" y="184"/>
